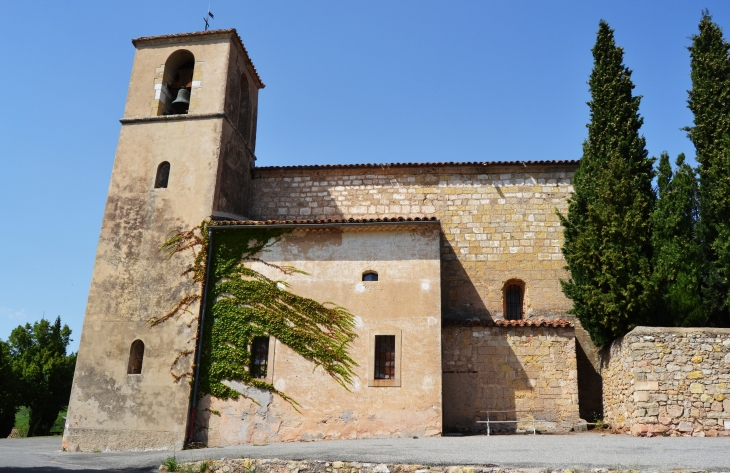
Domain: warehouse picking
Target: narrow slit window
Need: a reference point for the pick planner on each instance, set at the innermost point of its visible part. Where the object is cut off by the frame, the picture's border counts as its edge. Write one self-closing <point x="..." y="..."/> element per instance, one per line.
<point x="259" y="357"/>
<point x="514" y="302"/>
<point x="385" y="357"/>
<point x="163" y="174"/>
<point x="370" y="276"/>
<point x="136" y="356"/>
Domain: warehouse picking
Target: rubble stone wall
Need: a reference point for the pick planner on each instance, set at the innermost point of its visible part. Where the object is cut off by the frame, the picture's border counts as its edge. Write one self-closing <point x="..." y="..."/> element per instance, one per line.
<point x="669" y="381"/>
<point x="529" y="371"/>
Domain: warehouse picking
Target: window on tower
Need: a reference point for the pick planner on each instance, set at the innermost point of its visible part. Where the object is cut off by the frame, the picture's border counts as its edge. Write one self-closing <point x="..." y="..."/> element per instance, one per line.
<point x="244" y="110"/>
<point x="163" y="174"/>
<point x="136" y="356"/>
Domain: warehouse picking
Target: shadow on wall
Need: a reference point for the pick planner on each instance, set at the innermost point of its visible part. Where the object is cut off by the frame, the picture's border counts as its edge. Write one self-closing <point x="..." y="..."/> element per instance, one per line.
<point x="460" y="299"/>
<point x="590" y="383"/>
<point x="481" y="372"/>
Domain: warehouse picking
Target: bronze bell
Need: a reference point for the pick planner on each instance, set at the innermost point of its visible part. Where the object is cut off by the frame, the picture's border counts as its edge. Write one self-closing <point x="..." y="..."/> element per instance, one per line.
<point x="182" y="102"/>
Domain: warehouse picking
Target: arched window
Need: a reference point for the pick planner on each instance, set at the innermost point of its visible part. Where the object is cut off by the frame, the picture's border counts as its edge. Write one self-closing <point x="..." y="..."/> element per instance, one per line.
<point x="369" y="276"/>
<point x="163" y="174"/>
<point x="136" y="355"/>
<point x="244" y="110"/>
<point x="513" y="293"/>
<point x="177" y="83"/>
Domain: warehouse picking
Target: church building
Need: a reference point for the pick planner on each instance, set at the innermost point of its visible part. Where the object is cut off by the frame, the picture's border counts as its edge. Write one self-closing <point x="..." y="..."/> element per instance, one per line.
<point x="451" y="270"/>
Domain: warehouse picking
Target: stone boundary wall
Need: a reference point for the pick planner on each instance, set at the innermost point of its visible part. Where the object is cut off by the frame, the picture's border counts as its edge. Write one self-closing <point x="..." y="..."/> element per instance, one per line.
<point x="248" y="465"/>
<point x="509" y="368"/>
<point x="669" y="381"/>
<point x="498" y="221"/>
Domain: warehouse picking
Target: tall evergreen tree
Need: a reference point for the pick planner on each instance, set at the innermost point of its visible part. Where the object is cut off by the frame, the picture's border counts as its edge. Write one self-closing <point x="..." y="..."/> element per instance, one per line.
<point x="709" y="100"/>
<point x="607" y="228"/>
<point x="677" y="252"/>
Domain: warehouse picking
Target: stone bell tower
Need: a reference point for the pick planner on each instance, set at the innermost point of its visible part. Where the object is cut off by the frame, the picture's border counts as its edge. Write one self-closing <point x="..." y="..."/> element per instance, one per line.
<point x="185" y="152"/>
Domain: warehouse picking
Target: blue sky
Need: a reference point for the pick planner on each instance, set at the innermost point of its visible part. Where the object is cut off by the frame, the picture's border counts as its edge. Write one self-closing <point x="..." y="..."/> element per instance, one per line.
<point x="346" y="82"/>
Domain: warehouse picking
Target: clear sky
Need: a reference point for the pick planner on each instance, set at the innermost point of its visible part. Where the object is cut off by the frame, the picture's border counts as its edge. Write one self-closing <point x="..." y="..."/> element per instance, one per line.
<point x="346" y="82"/>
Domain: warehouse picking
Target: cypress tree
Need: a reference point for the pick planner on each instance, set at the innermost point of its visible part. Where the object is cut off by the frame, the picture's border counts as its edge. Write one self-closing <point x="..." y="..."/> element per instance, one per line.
<point x="677" y="253"/>
<point x="709" y="101"/>
<point x="607" y="228"/>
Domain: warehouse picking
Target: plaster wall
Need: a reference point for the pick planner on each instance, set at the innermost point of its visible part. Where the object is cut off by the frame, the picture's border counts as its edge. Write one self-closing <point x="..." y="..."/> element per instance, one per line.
<point x="530" y="372"/>
<point x="669" y="381"/>
<point x="404" y="301"/>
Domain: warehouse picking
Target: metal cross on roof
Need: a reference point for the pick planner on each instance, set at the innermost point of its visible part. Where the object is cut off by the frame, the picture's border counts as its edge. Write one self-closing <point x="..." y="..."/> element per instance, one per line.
<point x="205" y="19"/>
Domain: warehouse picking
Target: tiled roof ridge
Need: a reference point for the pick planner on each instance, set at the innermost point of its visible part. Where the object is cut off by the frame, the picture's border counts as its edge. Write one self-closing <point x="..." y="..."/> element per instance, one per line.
<point x="324" y="221"/>
<point x="559" y="322"/>
<point x="397" y="165"/>
<point x="205" y="33"/>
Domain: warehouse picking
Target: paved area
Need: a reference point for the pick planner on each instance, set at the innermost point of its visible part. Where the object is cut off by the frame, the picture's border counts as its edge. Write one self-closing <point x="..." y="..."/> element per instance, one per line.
<point x="585" y="450"/>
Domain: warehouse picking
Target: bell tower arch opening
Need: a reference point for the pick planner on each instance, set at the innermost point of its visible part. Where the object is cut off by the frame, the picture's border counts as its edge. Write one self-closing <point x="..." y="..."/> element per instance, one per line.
<point x="178" y="82"/>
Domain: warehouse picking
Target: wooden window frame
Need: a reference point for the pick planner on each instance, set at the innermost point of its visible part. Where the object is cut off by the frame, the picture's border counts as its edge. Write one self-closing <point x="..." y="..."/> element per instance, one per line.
<point x="396" y="381"/>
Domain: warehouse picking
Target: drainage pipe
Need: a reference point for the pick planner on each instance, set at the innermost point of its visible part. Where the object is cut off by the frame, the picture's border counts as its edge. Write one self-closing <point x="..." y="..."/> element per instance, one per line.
<point x="201" y="326"/>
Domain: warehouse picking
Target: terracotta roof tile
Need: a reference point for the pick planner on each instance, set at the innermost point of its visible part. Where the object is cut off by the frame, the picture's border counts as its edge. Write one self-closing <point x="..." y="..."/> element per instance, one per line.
<point x="509" y="323"/>
<point x="232" y="31"/>
<point x="401" y="165"/>
<point x="220" y="222"/>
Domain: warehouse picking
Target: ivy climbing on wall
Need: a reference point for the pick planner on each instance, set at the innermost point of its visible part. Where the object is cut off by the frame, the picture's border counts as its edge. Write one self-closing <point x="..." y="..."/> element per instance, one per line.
<point x="243" y="303"/>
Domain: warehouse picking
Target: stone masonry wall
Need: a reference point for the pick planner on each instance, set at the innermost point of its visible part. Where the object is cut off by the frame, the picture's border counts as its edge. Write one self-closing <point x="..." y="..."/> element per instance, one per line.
<point x="498" y="221"/>
<point x="669" y="381"/>
<point x="512" y="368"/>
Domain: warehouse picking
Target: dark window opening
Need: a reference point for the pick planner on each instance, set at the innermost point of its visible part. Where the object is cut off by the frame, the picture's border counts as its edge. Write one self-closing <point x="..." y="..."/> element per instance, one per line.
<point x="163" y="174"/>
<point x="385" y="357"/>
<point x="513" y="295"/>
<point x="259" y="357"/>
<point x="136" y="355"/>
<point x="370" y="276"/>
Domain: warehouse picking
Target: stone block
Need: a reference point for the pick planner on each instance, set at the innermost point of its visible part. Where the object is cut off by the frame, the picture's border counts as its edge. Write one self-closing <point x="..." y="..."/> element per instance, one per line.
<point x="659" y="429"/>
<point x="647" y="385"/>
<point x="695" y="375"/>
<point x="685" y="427"/>
<point x="696" y="388"/>
<point x="675" y="410"/>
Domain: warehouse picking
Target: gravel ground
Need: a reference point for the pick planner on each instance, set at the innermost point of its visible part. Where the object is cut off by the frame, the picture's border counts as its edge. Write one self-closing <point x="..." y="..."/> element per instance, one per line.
<point x="584" y="451"/>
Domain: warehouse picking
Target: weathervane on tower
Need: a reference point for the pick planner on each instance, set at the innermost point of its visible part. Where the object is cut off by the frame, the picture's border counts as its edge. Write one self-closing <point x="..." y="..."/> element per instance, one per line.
<point x="205" y="19"/>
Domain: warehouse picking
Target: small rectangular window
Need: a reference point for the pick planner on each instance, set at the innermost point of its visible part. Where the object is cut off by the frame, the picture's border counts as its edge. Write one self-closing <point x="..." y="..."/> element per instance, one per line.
<point x="385" y="357"/>
<point x="259" y="357"/>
